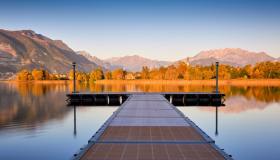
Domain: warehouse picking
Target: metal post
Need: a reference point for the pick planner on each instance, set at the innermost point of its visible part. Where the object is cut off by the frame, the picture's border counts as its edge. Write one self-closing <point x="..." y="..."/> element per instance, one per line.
<point x="217" y="77"/>
<point x="74" y="76"/>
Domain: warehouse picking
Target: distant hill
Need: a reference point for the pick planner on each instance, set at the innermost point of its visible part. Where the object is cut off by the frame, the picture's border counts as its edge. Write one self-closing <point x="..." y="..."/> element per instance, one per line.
<point x="230" y="56"/>
<point x="96" y="60"/>
<point x="26" y="49"/>
<point x="135" y="62"/>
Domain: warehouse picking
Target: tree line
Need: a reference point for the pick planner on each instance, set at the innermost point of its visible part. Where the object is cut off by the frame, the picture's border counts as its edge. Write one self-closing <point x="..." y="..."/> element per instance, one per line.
<point x="181" y="70"/>
<point x="39" y="74"/>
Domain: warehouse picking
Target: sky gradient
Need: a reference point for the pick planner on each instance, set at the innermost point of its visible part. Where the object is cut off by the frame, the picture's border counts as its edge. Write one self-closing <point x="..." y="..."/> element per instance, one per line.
<point x="157" y="29"/>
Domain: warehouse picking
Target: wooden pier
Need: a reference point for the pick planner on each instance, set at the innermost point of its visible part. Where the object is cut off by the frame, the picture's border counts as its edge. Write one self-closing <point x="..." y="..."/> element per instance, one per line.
<point x="147" y="126"/>
<point x="117" y="98"/>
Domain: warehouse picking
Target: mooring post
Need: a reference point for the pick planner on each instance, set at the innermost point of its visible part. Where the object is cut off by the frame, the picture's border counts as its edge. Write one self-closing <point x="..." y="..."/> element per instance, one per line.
<point x="217" y="77"/>
<point x="74" y="76"/>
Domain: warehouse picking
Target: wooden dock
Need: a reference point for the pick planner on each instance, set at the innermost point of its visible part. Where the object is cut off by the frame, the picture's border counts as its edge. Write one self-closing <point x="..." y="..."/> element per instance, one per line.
<point x="117" y="98"/>
<point x="147" y="126"/>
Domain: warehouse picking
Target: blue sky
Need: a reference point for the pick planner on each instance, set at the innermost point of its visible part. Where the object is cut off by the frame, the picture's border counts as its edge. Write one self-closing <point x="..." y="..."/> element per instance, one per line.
<point x="158" y="29"/>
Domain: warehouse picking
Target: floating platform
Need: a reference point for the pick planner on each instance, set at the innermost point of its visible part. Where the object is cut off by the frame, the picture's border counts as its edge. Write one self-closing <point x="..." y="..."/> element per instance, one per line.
<point x="147" y="126"/>
<point x="117" y="98"/>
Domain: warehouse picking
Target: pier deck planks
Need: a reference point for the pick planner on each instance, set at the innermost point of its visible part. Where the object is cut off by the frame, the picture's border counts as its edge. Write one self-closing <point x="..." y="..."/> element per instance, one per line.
<point x="148" y="127"/>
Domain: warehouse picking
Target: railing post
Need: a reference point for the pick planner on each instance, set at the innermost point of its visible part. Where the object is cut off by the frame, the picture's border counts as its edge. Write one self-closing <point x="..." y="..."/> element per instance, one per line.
<point x="217" y="77"/>
<point x="74" y="76"/>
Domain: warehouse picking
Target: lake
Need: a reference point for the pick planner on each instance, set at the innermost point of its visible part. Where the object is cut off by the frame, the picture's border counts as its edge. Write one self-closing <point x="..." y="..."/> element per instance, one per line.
<point x="35" y="122"/>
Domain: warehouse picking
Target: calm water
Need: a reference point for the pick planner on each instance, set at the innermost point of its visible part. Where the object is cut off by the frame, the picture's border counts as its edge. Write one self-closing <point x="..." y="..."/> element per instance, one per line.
<point x="35" y="122"/>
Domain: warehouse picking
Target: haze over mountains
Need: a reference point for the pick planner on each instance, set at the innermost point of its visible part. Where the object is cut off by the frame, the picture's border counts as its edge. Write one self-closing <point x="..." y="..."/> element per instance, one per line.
<point x="26" y="49"/>
<point x="231" y="56"/>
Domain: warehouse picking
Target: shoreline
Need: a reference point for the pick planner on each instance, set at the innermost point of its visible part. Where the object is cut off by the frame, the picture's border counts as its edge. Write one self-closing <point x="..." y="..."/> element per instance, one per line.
<point x="38" y="81"/>
<point x="232" y="82"/>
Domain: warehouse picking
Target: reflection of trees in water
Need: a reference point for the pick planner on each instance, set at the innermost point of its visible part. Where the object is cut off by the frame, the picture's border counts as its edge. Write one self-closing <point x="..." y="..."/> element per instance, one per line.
<point x="238" y="104"/>
<point x="259" y="93"/>
<point x="30" y="104"/>
<point x="38" y="89"/>
<point x="37" y="102"/>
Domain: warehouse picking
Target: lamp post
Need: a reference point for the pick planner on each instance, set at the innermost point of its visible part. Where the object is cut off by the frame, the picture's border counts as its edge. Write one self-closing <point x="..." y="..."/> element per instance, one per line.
<point x="74" y="76"/>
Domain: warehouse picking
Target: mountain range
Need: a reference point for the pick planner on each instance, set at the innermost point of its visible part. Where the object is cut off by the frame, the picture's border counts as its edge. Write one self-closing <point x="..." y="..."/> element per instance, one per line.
<point x="25" y="49"/>
<point x="230" y="56"/>
<point x="135" y="62"/>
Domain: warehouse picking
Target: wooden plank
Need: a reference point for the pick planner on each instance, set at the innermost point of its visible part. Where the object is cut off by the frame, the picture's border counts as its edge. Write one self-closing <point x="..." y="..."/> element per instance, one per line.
<point x="147" y="126"/>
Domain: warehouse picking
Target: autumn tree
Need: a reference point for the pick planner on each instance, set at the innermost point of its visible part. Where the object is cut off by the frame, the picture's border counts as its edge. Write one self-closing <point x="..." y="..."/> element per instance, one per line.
<point x="82" y="77"/>
<point x="96" y="74"/>
<point x="118" y="74"/>
<point x="224" y="72"/>
<point x="37" y="74"/>
<point x="145" y="72"/>
<point x="108" y="75"/>
<point x="246" y="72"/>
<point x="24" y="75"/>
<point x="187" y="74"/>
<point x="71" y="74"/>
<point x="181" y="69"/>
<point x="171" y="73"/>
<point x="154" y="74"/>
<point x="161" y="72"/>
<point x="207" y="73"/>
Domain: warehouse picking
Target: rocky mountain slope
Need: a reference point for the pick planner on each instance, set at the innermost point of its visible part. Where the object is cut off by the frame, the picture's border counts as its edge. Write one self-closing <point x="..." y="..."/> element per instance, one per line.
<point x="26" y="49"/>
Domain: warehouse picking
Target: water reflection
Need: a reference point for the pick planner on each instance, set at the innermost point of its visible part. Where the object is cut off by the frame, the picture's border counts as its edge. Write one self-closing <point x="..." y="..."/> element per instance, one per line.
<point x="35" y="113"/>
<point x="34" y="103"/>
<point x="259" y="93"/>
<point x="75" y="127"/>
<point x="27" y="104"/>
<point x="216" y="126"/>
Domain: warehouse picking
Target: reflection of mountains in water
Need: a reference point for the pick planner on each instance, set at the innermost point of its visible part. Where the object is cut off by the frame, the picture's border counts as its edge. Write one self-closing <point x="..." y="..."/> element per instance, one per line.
<point x="239" y="104"/>
<point x="35" y="103"/>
